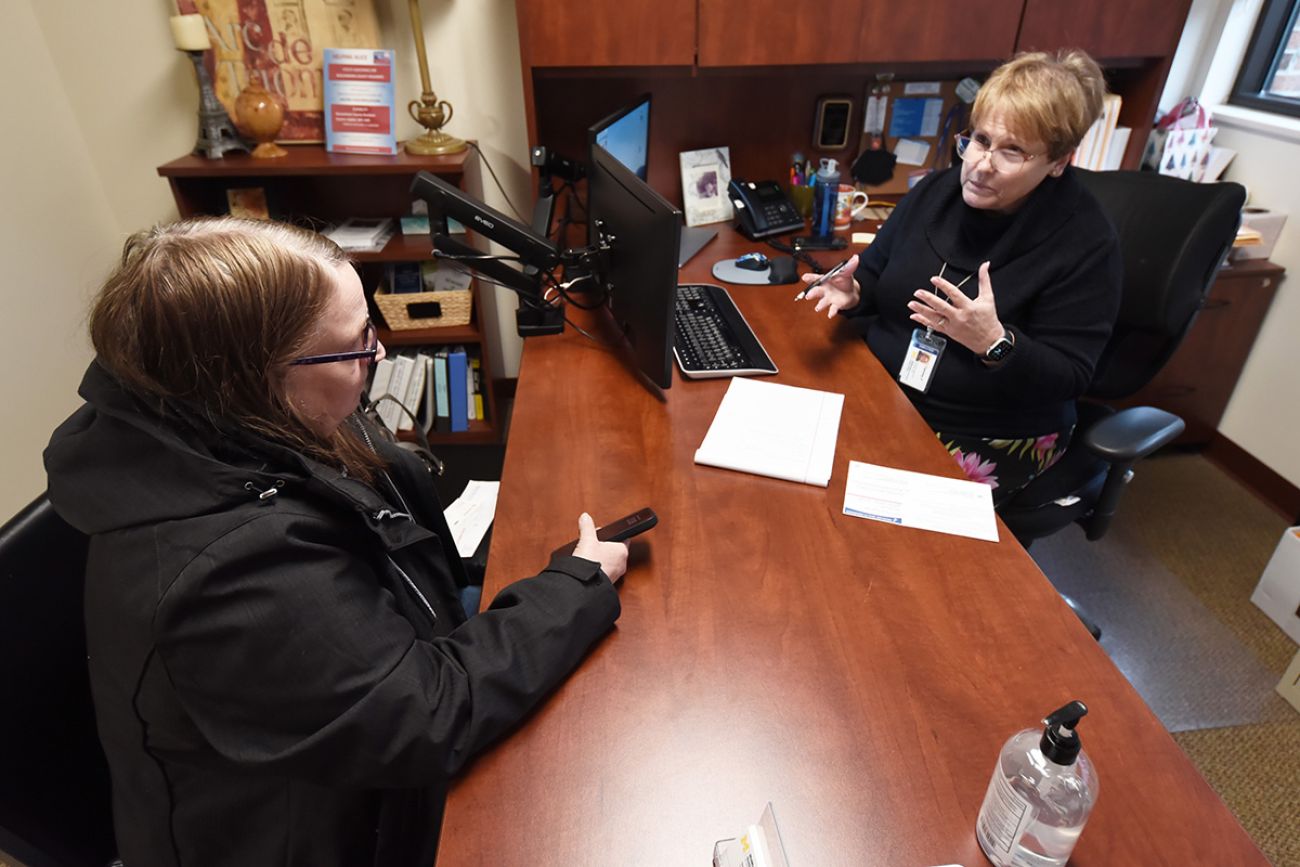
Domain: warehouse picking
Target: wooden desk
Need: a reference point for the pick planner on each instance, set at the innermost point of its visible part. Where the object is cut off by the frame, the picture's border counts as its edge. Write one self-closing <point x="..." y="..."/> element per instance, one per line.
<point x="861" y="677"/>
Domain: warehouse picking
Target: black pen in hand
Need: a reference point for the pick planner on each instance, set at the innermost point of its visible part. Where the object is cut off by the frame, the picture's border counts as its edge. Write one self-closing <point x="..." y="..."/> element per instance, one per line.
<point x="822" y="279"/>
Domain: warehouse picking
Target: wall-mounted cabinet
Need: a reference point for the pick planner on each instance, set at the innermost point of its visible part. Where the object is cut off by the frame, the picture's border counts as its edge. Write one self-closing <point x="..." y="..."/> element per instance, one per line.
<point x="605" y="33"/>
<point x="747" y="73"/>
<point x="1107" y="30"/>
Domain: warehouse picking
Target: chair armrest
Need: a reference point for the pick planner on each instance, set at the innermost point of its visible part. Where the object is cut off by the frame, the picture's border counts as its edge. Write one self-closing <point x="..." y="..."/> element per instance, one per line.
<point x="1132" y="434"/>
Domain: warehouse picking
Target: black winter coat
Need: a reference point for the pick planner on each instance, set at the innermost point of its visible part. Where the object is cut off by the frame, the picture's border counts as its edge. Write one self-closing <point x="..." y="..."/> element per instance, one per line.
<point x="1056" y="269"/>
<point x="288" y="678"/>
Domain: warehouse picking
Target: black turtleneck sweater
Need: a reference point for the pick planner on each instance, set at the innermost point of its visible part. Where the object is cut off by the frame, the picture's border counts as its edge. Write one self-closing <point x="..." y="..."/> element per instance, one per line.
<point x="1055" y="269"/>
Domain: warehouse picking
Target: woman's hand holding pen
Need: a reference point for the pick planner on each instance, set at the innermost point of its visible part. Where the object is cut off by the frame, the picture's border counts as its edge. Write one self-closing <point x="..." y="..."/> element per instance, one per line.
<point x="972" y="322"/>
<point x="839" y="292"/>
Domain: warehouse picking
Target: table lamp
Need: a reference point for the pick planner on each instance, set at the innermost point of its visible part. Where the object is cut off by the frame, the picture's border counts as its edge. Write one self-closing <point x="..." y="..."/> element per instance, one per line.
<point x="428" y="111"/>
<point x="216" y="133"/>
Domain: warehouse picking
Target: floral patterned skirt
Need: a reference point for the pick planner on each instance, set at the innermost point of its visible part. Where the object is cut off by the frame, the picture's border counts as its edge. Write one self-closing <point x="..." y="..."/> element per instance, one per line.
<point x="1005" y="465"/>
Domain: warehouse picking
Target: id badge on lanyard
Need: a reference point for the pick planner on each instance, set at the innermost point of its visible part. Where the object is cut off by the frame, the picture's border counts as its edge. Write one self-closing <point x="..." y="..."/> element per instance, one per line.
<point x="922" y="358"/>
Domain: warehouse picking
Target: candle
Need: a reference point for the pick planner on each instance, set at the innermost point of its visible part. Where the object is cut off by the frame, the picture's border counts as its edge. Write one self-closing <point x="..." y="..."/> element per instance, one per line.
<point x="190" y="33"/>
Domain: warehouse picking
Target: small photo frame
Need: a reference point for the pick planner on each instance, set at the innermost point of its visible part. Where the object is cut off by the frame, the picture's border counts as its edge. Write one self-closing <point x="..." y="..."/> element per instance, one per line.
<point x="705" y="175"/>
<point x="248" y="203"/>
<point x="831" y="130"/>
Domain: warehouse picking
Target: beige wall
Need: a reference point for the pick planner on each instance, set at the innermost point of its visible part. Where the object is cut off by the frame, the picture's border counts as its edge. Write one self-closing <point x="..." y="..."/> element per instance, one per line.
<point x="95" y="99"/>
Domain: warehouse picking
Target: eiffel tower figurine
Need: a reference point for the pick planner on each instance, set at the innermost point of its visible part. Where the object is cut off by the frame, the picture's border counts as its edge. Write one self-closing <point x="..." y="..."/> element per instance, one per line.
<point x="216" y="133"/>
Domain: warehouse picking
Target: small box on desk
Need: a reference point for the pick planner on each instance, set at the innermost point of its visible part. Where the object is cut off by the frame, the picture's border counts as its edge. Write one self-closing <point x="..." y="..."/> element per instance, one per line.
<point x="1269" y="226"/>
<point x="1278" y="591"/>
<point x="411" y="310"/>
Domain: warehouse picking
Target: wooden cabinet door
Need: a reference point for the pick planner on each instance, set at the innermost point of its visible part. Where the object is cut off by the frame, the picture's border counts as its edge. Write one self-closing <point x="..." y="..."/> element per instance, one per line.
<point x="607" y="32"/>
<point x="937" y="30"/>
<point x="775" y="32"/>
<point x="1114" y="28"/>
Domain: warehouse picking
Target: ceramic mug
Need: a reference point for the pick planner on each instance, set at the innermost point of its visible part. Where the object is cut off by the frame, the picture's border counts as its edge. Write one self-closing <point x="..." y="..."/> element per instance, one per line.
<point x="848" y="205"/>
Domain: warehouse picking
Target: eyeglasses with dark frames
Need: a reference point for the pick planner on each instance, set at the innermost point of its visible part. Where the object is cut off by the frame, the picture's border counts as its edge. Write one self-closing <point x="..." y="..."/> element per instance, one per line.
<point x="370" y="337"/>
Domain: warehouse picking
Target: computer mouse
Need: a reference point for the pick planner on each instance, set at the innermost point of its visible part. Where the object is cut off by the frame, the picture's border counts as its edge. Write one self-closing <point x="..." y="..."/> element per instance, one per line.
<point x="753" y="262"/>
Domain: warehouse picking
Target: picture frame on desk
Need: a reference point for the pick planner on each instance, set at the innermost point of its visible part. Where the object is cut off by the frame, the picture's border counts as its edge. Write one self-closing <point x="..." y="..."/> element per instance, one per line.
<point x="705" y="175"/>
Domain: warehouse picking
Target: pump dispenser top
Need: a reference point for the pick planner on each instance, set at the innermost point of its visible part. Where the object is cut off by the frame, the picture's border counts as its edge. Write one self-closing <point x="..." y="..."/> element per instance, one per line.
<point x="1060" y="743"/>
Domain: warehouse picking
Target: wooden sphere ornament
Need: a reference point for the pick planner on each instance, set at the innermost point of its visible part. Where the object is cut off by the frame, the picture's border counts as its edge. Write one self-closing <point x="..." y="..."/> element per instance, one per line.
<point x="260" y="115"/>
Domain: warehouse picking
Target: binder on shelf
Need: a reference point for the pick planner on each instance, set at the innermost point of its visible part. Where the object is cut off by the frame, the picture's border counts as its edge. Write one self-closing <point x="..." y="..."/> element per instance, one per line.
<point x="380" y="379"/>
<point x="414" y="393"/>
<point x="442" y="411"/>
<point x="457" y="396"/>
<point x="428" y="414"/>
<point x="475" y="388"/>
<point x="389" y="411"/>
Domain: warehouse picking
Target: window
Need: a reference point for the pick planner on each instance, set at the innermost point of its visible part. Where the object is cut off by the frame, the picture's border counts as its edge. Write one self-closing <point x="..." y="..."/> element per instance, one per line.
<point x="1270" y="73"/>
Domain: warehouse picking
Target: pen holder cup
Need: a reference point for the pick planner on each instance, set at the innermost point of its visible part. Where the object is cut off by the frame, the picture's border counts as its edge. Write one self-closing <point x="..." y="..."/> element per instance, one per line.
<point x="802" y="197"/>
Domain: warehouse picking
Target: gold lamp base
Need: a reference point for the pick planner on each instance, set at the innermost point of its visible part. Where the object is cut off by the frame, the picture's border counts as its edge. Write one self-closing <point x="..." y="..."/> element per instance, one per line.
<point x="435" y="143"/>
<point x="432" y="114"/>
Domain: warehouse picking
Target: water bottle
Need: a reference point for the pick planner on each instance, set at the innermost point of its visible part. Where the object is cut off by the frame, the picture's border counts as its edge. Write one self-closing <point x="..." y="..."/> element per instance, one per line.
<point x="1041" y="794"/>
<point x="825" y="194"/>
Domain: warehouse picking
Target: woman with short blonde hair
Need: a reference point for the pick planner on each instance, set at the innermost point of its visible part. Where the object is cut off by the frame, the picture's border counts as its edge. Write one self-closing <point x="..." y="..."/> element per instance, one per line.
<point x="993" y="287"/>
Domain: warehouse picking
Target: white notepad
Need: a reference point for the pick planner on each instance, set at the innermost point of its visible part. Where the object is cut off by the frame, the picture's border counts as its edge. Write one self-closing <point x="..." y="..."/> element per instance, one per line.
<point x="774" y="430"/>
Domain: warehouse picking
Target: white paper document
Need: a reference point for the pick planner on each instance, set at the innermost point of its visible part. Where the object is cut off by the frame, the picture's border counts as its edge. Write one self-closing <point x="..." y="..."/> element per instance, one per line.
<point x="471" y="515"/>
<point x="926" y="502"/>
<point x="774" y="430"/>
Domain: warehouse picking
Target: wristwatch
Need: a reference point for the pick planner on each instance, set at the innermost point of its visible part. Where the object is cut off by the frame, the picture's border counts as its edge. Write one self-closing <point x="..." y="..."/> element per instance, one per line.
<point x="1001" y="348"/>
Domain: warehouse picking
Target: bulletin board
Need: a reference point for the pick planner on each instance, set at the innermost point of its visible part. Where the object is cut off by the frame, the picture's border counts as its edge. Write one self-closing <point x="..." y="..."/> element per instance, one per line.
<point x="920" y="121"/>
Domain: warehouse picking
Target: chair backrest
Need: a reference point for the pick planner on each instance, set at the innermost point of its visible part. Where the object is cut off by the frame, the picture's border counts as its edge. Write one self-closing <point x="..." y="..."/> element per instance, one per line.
<point x="55" y="801"/>
<point x="1173" y="236"/>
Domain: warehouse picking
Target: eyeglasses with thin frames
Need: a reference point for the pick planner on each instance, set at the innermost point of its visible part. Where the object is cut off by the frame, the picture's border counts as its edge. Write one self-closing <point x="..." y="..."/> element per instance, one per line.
<point x="1005" y="160"/>
<point x="370" y="338"/>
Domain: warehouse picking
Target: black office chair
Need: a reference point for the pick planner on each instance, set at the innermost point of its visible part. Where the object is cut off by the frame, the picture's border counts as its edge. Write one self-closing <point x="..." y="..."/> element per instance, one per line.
<point x="55" y="802"/>
<point x="1174" y="236"/>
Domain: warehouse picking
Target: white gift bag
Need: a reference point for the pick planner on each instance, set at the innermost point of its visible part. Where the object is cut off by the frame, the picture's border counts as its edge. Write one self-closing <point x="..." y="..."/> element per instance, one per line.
<point x="1188" y="136"/>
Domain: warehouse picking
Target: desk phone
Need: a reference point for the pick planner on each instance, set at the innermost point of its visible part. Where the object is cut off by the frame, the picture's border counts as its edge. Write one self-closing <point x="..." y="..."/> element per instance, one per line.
<point x="763" y="209"/>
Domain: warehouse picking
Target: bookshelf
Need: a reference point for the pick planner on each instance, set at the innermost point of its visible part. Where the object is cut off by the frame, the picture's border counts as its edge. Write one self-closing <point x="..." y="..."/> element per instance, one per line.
<point x="314" y="188"/>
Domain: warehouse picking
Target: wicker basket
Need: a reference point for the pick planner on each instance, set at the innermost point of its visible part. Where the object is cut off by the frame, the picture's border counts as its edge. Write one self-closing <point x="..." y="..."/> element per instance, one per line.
<point x="410" y="310"/>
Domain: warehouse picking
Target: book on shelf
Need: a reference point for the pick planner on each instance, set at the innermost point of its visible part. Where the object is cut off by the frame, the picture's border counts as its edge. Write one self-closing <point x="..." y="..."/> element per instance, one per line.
<point x="362" y="234"/>
<point x="1094" y="150"/>
<point x="359" y="102"/>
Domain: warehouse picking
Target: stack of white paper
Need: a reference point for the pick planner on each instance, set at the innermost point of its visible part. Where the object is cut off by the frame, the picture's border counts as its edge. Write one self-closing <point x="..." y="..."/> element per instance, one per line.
<point x="774" y="430"/>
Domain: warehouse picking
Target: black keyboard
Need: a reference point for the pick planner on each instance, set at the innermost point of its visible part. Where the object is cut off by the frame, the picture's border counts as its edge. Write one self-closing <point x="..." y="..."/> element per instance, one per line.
<point x="711" y="338"/>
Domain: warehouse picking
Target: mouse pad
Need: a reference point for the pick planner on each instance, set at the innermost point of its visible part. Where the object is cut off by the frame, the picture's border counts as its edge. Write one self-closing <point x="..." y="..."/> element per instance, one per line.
<point x="780" y="271"/>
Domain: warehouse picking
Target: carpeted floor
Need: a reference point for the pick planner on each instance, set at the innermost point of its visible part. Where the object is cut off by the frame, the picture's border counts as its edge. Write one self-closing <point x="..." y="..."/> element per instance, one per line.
<point x="1170" y="587"/>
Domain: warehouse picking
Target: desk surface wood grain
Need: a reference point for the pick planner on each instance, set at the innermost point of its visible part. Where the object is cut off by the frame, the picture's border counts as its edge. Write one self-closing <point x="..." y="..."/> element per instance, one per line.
<point x="859" y="676"/>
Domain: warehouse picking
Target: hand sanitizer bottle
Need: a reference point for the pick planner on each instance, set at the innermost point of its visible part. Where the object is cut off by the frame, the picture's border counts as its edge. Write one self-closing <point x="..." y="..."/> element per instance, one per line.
<point x="1042" y="791"/>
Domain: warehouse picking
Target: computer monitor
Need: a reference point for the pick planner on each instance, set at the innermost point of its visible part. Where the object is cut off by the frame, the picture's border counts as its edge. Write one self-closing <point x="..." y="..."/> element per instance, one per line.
<point x="625" y="135"/>
<point x="642" y="232"/>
